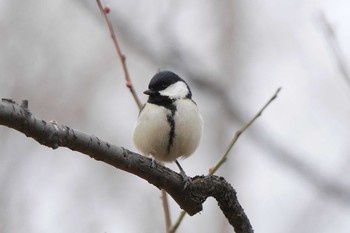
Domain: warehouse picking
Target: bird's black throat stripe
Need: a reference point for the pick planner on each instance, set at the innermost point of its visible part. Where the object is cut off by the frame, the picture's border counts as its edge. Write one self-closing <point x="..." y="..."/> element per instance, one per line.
<point x="171" y="121"/>
<point x="167" y="103"/>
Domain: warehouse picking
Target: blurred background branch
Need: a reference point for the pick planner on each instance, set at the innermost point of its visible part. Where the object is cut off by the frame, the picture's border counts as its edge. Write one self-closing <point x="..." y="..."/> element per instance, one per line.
<point x="331" y="38"/>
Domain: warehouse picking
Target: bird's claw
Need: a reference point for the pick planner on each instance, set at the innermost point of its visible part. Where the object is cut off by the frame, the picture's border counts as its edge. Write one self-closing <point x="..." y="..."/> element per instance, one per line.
<point x="153" y="163"/>
<point x="186" y="179"/>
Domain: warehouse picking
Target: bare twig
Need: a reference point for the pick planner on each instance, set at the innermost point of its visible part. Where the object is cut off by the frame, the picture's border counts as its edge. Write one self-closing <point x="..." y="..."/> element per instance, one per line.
<point x="238" y="134"/>
<point x="166" y="211"/>
<point x="178" y="221"/>
<point x="122" y="57"/>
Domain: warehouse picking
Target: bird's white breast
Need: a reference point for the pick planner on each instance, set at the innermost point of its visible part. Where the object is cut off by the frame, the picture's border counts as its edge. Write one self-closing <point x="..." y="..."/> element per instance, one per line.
<point x="151" y="134"/>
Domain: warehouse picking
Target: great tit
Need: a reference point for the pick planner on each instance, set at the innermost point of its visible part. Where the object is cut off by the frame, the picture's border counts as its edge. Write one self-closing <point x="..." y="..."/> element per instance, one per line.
<point x="169" y="125"/>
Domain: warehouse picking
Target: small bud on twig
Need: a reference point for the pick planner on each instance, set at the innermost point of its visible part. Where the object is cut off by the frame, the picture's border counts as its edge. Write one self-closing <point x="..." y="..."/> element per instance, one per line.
<point x="106" y="9"/>
<point x="128" y="84"/>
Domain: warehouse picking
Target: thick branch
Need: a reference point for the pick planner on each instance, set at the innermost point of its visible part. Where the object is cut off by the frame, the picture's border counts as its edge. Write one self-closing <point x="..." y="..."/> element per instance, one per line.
<point x="55" y="135"/>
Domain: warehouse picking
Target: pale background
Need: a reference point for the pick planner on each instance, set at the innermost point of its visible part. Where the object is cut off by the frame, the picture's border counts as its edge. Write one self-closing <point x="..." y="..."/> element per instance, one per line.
<point x="291" y="169"/>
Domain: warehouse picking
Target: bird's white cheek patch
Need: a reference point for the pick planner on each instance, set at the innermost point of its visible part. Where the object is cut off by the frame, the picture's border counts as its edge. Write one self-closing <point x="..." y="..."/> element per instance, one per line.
<point x="175" y="91"/>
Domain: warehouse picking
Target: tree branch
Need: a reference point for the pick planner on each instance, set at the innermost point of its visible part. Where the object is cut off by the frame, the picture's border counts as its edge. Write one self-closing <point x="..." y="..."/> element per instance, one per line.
<point x="55" y="135"/>
<point x="104" y="12"/>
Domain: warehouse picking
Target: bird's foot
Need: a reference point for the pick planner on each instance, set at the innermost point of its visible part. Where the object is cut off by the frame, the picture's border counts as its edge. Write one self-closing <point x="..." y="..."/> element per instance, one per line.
<point x="153" y="163"/>
<point x="187" y="180"/>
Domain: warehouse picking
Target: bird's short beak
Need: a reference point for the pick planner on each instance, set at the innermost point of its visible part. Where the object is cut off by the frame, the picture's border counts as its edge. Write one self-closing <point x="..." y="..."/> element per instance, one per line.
<point x="149" y="92"/>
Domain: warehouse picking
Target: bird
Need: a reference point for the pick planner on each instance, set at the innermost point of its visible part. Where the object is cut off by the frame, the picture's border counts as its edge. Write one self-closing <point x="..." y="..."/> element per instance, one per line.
<point x="169" y="126"/>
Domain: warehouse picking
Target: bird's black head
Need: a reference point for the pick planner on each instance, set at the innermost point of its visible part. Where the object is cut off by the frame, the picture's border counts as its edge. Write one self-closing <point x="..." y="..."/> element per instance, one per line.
<point x="165" y="87"/>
